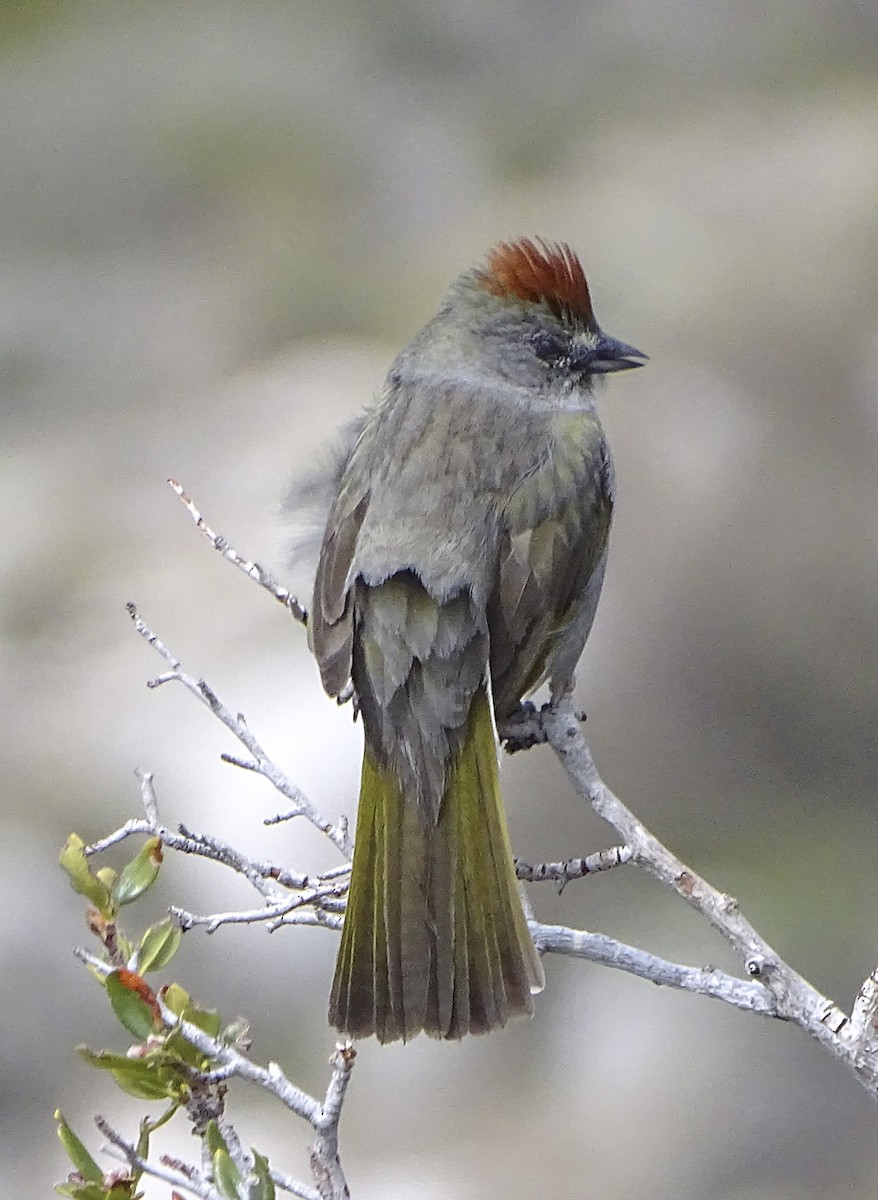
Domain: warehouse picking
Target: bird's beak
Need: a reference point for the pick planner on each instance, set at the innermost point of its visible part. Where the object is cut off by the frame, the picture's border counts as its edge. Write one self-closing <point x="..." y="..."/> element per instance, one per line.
<point x="609" y="355"/>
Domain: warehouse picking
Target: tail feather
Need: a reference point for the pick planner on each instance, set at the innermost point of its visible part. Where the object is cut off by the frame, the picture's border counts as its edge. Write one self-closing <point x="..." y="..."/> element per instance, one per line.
<point x="406" y="872"/>
<point x="348" y="988"/>
<point x="485" y="996"/>
<point x="498" y="957"/>
<point x="520" y="971"/>
<point x="375" y="949"/>
<point x="434" y="937"/>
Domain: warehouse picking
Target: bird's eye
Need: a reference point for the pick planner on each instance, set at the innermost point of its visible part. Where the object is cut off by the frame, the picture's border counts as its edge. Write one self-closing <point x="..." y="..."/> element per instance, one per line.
<point x="581" y="357"/>
<point x="550" y="347"/>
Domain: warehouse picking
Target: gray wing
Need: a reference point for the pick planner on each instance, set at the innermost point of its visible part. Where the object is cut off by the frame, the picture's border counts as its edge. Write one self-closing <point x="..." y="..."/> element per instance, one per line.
<point x="402" y="582"/>
<point x="417" y="664"/>
<point x="550" y="570"/>
<point x="331" y="618"/>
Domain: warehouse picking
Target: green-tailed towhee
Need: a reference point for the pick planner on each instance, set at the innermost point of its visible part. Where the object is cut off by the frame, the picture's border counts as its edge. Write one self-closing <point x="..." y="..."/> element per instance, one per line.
<point x="460" y="567"/>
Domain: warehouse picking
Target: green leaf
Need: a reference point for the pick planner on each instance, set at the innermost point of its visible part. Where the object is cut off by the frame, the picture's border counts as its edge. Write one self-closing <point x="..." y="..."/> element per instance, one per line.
<point x="147" y="1128"/>
<point x="158" y="946"/>
<point x="123" y="946"/>
<point x="123" y="1190"/>
<point x="106" y="1060"/>
<point x="131" y="1009"/>
<point x="208" y="1022"/>
<point x="142" y="1147"/>
<point x="225" y="1175"/>
<point x="72" y="859"/>
<point x="176" y="998"/>
<point x="120" y="1189"/>
<point x="140" y="873"/>
<point x="79" y="1156"/>
<point x="151" y="1084"/>
<point x="264" y="1189"/>
<point x="206" y="1019"/>
<point x="214" y="1139"/>
<point x="85" y="1191"/>
<point x="184" y="1052"/>
<point x="107" y="876"/>
<point x="153" y="1077"/>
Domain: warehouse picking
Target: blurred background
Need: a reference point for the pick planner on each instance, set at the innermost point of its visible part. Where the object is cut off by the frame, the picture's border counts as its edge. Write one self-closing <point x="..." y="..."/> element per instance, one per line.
<point x="218" y="221"/>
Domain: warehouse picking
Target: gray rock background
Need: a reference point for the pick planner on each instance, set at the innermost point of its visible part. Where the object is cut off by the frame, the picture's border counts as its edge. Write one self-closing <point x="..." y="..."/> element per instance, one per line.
<point x="217" y="223"/>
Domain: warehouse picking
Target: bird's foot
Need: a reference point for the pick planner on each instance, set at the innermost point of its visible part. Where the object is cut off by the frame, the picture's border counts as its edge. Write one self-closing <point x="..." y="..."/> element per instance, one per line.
<point x="526" y="727"/>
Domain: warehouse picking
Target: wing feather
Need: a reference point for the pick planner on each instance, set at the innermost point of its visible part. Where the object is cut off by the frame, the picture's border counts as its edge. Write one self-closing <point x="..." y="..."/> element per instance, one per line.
<point x="331" y="620"/>
<point x="552" y="549"/>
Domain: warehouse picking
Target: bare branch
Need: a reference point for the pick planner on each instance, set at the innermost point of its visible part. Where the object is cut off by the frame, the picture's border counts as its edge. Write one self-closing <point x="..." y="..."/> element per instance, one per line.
<point x="270" y="1078"/>
<point x="320" y="916"/>
<point x="321" y="894"/>
<point x="184" y="1175"/>
<point x="288" y="1184"/>
<point x="252" y="570"/>
<point x="247" y="764"/>
<point x="190" y="1179"/>
<point x="864" y="1012"/>
<point x="91" y="960"/>
<point x="596" y="947"/>
<point x="323" y="1118"/>
<point x="302" y="806"/>
<point x="271" y="914"/>
<point x="574" y="868"/>
<point x="325" y="1162"/>
<point x="263" y="876"/>
<point x="794" y="998"/>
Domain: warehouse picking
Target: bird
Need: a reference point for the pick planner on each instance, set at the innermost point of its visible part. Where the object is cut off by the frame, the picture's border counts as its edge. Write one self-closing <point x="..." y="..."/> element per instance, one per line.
<point x="460" y="568"/>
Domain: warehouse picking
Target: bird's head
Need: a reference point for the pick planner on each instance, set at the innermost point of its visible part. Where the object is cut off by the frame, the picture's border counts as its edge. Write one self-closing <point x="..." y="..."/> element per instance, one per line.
<point x="530" y="306"/>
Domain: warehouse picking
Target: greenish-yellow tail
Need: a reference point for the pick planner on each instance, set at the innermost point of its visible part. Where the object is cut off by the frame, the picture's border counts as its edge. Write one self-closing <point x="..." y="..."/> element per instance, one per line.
<point x="434" y="937"/>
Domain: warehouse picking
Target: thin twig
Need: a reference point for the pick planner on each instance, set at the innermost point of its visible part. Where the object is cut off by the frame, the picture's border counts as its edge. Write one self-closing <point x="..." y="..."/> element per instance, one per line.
<point x="337" y="834"/>
<point x="293" y="1186"/>
<point x="252" y="570"/>
<point x="325" y="1163"/>
<point x="91" y="960"/>
<point x="596" y="947"/>
<point x="270" y="1078"/>
<point x="192" y="1180"/>
<point x="574" y="868"/>
<point x="272" y="913"/>
<point x="262" y="875"/>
